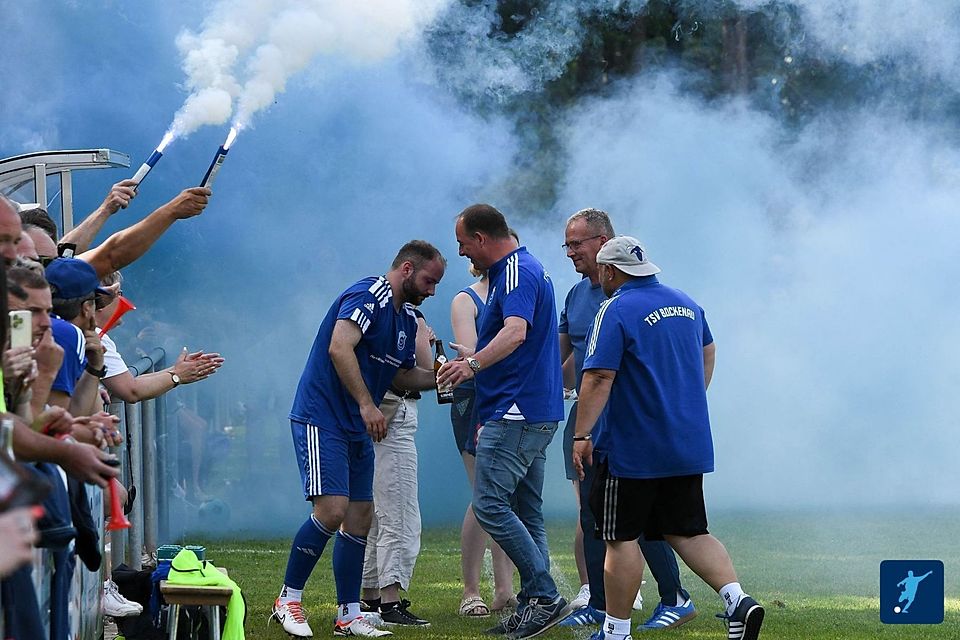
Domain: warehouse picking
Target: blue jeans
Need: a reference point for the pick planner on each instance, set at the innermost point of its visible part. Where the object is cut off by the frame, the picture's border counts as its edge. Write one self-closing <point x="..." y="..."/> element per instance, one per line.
<point x="510" y="468"/>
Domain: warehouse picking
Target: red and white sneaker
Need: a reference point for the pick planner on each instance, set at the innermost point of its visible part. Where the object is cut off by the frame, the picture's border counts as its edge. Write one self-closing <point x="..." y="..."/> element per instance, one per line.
<point x="290" y="616"/>
<point x="359" y="626"/>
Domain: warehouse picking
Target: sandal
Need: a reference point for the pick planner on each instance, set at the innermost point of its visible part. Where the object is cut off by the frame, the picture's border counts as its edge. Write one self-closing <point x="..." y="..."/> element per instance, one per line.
<point x="474" y="607"/>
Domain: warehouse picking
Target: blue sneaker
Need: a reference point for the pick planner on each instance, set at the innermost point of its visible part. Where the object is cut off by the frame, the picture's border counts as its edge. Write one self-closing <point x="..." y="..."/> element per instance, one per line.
<point x="583" y="616"/>
<point x="665" y="617"/>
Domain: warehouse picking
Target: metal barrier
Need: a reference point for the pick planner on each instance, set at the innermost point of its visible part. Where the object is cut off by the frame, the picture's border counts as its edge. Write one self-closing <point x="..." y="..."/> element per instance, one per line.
<point x="144" y="428"/>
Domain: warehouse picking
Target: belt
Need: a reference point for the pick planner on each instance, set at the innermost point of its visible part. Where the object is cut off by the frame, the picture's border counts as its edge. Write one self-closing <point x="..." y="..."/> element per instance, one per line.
<point x="406" y="395"/>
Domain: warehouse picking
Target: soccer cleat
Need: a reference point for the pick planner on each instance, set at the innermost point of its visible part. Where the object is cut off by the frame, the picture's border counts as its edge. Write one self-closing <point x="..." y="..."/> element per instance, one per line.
<point x="290" y="616"/>
<point x="507" y="624"/>
<point x="360" y="627"/>
<point x="583" y="617"/>
<point x="115" y="605"/>
<point x="537" y="617"/>
<point x="399" y="613"/>
<point x="745" y="622"/>
<point x="665" y="617"/>
<point x="582" y="599"/>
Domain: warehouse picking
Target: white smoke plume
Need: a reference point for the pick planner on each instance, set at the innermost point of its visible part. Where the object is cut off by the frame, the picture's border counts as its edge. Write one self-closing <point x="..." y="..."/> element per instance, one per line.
<point x="364" y="31"/>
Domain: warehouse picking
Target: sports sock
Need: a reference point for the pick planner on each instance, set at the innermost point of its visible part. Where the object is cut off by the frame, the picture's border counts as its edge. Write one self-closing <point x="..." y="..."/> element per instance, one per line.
<point x="304" y="552"/>
<point x="348" y="551"/>
<point x="348" y="611"/>
<point x="615" y="628"/>
<point x="680" y="599"/>
<point x="388" y="606"/>
<point x="731" y="594"/>
<point x="289" y="594"/>
<point x="371" y="603"/>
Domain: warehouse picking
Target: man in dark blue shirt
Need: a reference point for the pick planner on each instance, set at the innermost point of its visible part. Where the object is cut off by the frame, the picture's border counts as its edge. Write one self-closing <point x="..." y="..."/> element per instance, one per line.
<point x="649" y="361"/>
<point x="519" y="404"/>
<point x="587" y="231"/>
<point x="365" y="342"/>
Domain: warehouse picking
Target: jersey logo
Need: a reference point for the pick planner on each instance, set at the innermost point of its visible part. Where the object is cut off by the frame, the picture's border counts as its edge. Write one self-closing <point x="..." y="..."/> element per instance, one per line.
<point x="369" y="307"/>
<point x="401" y="340"/>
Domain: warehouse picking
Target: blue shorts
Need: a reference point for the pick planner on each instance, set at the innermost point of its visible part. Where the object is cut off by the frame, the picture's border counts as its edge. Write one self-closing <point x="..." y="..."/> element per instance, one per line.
<point x="331" y="464"/>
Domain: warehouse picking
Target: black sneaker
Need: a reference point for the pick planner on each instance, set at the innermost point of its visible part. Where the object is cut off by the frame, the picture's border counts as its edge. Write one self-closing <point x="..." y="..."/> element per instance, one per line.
<point x="507" y="624"/>
<point x="746" y="620"/>
<point x="538" y="617"/>
<point x="399" y="613"/>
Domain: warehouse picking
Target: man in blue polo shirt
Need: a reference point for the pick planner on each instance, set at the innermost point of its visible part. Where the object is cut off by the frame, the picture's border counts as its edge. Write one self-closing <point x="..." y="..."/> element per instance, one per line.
<point x="519" y="403"/>
<point x="649" y="361"/>
<point x="586" y="231"/>
<point x="365" y="343"/>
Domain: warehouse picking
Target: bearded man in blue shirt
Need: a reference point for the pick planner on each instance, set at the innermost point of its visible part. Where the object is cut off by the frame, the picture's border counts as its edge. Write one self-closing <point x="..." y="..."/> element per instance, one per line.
<point x="519" y="403"/>
<point x="649" y="361"/>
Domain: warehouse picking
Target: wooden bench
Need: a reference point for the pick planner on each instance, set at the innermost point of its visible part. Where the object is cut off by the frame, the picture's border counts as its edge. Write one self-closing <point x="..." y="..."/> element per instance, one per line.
<point x="210" y="598"/>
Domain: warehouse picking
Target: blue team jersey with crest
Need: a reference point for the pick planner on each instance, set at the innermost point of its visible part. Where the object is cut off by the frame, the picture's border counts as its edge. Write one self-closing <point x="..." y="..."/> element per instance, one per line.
<point x="657" y="424"/>
<point x="388" y="344"/>
<point x="529" y="377"/>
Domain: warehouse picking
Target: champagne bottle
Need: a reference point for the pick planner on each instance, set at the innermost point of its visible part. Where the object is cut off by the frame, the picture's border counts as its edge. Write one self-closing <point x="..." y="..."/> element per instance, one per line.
<point x="444" y="393"/>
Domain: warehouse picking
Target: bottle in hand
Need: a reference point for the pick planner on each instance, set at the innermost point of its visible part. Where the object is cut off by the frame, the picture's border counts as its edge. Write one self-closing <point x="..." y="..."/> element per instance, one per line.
<point x="444" y="393"/>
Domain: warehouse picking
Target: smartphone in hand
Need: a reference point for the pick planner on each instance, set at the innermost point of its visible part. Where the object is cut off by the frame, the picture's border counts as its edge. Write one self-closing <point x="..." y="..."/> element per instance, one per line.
<point x="21" y="328"/>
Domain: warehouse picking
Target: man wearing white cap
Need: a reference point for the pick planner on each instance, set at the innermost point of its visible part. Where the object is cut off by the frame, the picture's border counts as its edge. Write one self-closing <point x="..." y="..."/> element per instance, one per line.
<point x="649" y="359"/>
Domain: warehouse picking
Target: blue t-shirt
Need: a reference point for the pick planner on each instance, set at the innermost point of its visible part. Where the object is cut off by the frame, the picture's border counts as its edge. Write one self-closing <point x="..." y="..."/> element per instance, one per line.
<point x="576" y="319"/>
<point x="388" y="344"/>
<point x="71" y="340"/>
<point x="657" y="423"/>
<point x="530" y="376"/>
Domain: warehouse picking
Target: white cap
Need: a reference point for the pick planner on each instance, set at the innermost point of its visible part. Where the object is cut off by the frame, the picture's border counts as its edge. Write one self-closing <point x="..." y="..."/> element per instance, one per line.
<point x="627" y="254"/>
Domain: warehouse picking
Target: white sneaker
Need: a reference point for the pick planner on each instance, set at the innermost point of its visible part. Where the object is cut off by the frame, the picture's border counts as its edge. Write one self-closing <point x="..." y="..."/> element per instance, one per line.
<point x="290" y="616"/>
<point x="638" y="601"/>
<point x="359" y="626"/>
<point x="115" y="605"/>
<point x="582" y="599"/>
<point x="373" y="617"/>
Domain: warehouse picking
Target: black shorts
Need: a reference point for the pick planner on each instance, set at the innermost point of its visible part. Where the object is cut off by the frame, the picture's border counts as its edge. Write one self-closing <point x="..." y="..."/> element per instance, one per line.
<point x="464" y="419"/>
<point x="625" y="508"/>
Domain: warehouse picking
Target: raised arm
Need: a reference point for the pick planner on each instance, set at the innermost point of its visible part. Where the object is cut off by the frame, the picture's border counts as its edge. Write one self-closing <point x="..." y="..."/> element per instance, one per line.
<point x="129" y="244"/>
<point x="118" y="198"/>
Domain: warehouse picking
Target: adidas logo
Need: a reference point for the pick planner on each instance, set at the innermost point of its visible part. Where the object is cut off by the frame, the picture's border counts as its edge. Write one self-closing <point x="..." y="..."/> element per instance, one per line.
<point x="369" y="307"/>
<point x="308" y="551"/>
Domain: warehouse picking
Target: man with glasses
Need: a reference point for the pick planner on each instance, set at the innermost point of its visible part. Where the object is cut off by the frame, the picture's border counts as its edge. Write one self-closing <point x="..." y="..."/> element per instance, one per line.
<point x="586" y="232"/>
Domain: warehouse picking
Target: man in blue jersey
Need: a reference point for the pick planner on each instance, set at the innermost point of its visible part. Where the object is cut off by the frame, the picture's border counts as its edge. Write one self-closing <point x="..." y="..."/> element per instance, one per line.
<point x="586" y="231"/>
<point x="649" y="361"/>
<point x="519" y="403"/>
<point x="365" y="343"/>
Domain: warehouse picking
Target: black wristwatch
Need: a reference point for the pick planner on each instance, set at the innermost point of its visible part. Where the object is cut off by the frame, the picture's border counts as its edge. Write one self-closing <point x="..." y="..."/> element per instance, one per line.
<point x="99" y="373"/>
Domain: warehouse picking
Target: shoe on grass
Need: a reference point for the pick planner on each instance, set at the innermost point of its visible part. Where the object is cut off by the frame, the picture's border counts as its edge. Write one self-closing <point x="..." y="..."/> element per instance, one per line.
<point x="582" y="598"/>
<point x="359" y="627"/>
<point x="746" y="620"/>
<point x="665" y="617"/>
<point x="583" y="616"/>
<point x="399" y="613"/>
<point x="539" y="616"/>
<point x="291" y="617"/>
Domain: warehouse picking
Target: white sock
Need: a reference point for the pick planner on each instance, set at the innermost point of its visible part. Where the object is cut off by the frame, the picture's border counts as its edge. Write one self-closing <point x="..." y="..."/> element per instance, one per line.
<point x="347" y="612"/>
<point x="731" y="594"/>
<point x="288" y="594"/>
<point x="615" y="628"/>
<point x="681" y="600"/>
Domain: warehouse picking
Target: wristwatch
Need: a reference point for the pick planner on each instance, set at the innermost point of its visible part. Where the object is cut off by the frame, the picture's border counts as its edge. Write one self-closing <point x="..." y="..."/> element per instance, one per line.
<point x="99" y="373"/>
<point x="175" y="377"/>
<point x="474" y="364"/>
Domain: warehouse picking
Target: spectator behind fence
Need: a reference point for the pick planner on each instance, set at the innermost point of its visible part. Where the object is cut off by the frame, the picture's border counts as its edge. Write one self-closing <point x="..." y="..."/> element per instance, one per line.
<point x="10" y="231"/>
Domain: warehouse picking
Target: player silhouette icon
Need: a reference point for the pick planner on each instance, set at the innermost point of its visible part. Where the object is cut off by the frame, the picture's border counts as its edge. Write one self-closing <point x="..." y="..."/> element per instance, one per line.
<point x="909" y="585"/>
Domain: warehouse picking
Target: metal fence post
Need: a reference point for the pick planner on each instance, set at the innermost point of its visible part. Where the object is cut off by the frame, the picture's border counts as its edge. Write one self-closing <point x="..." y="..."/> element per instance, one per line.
<point x="118" y="539"/>
<point x="150" y="476"/>
<point x="135" y="444"/>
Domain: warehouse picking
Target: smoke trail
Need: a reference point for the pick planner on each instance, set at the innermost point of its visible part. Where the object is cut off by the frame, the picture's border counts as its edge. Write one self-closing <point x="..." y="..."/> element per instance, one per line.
<point x="366" y="31"/>
<point x="210" y="57"/>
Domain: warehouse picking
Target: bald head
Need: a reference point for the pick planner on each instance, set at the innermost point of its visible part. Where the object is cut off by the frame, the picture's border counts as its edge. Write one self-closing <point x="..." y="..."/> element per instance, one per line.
<point x="10" y="231"/>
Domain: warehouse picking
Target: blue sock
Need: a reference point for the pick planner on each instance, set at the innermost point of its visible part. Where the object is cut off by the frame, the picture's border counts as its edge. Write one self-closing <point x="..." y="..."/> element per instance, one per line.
<point x="348" y="551"/>
<point x="305" y="551"/>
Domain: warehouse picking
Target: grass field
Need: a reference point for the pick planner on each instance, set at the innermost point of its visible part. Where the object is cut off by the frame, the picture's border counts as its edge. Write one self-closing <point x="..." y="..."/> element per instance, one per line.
<point x="816" y="572"/>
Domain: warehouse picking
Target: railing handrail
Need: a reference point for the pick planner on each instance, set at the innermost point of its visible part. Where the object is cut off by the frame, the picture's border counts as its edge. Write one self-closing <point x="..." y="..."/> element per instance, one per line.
<point x="147" y="362"/>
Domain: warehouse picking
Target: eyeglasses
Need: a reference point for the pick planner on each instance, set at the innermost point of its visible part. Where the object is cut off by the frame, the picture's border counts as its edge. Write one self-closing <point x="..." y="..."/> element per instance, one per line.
<point x="573" y="245"/>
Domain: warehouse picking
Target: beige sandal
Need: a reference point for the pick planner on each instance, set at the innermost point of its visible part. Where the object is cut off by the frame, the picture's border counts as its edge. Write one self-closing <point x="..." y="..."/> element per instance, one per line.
<point x="474" y="607"/>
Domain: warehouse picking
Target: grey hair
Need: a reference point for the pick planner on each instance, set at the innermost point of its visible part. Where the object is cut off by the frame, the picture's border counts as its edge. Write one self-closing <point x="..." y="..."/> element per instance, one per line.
<point x="596" y="219"/>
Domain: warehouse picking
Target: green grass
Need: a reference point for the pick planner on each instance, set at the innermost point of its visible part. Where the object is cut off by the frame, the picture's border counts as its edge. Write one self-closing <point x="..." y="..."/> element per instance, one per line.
<point x="816" y="572"/>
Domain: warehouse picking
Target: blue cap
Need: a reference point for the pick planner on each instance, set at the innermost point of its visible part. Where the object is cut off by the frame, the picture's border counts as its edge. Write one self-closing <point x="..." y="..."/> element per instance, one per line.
<point x="71" y="278"/>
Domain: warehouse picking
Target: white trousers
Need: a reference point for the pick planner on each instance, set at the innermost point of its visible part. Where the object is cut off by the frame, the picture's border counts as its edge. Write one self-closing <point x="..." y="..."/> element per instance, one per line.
<point x="393" y="543"/>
